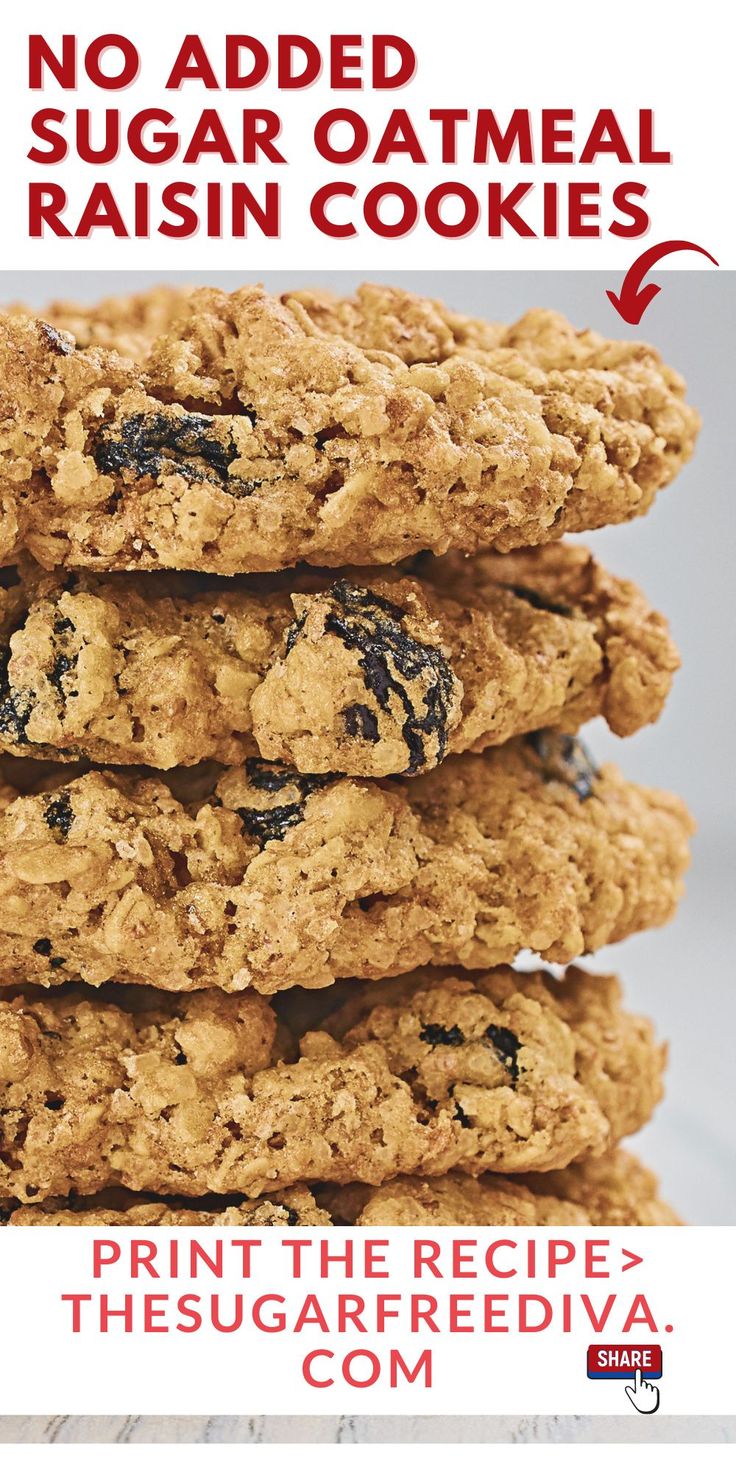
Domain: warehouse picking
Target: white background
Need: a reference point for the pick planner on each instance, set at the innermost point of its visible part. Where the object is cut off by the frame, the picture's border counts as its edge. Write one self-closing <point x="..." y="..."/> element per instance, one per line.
<point x="535" y="55"/>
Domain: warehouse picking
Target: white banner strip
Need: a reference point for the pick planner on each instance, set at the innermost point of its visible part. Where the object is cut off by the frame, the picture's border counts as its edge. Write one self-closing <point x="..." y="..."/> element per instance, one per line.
<point x="549" y="1321"/>
<point x="528" y="137"/>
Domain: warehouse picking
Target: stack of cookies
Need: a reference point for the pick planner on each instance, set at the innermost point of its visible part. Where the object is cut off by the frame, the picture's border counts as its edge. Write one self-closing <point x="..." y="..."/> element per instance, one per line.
<point x="294" y="662"/>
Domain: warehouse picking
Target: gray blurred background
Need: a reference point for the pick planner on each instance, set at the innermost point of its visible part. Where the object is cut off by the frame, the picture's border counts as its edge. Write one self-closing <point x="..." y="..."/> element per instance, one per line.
<point x="680" y="554"/>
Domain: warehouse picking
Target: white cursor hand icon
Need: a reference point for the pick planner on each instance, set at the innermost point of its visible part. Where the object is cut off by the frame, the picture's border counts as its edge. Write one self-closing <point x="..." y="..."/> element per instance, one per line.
<point x="643" y="1395"/>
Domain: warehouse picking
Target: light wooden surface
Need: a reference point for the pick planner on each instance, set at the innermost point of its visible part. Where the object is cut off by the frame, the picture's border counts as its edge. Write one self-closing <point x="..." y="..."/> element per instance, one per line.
<point x="19" y="1430"/>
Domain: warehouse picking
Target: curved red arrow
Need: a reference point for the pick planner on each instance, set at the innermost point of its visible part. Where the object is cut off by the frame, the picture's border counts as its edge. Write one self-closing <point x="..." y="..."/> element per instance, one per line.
<point x="633" y="299"/>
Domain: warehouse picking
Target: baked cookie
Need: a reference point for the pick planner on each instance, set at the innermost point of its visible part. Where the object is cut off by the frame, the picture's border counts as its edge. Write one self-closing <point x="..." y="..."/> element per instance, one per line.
<point x="615" y="1190"/>
<point x="275" y="879"/>
<point x="249" y="438"/>
<point x="423" y="1074"/>
<point x="367" y="677"/>
<point x="128" y="324"/>
<point x="118" y="1208"/>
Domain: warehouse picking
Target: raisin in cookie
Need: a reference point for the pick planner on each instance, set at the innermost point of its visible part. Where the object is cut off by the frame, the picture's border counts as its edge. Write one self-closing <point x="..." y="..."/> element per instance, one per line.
<point x="274" y="879"/>
<point x="249" y="438"/>
<point x="367" y="678"/>
<point x="423" y="1074"/>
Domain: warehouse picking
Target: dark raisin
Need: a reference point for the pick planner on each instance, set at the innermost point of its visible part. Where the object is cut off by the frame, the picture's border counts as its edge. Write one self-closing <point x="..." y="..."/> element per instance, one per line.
<point x="267" y="824"/>
<point x="292" y="1217"/>
<point x="538" y="600"/>
<point x="438" y="1036"/>
<point x="58" y="814"/>
<point x="293" y="632"/>
<point x="16" y="706"/>
<point x="464" y="1120"/>
<point x="63" y="625"/>
<point x="42" y="947"/>
<point x="361" y="721"/>
<point x="390" y="659"/>
<point x="271" y="824"/>
<point x="54" y="1101"/>
<point x="54" y="339"/>
<point x="57" y="961"/>
<point x="15" y="713"/>
<point x="564" y="759"/>
<point x="269" y="776"/>
<point x="192" y="445"/>
<point x="180" y="1059"/>
<point x="506" y="1045"/>
<point x="61" y="667"/>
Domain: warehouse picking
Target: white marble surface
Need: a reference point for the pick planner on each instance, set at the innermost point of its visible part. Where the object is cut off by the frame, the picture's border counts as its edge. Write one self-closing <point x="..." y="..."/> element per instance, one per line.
<point x="409" y="1430"/>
